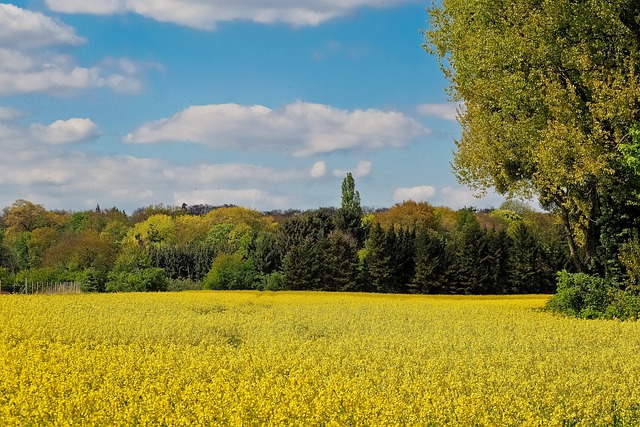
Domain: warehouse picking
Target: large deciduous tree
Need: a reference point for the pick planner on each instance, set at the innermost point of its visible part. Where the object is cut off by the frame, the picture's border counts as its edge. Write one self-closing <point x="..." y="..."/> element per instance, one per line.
<point x="549" y="90"/>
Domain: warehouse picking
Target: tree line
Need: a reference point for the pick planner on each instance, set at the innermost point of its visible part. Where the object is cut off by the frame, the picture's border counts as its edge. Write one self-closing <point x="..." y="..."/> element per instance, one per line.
<point x="409" y="248"/>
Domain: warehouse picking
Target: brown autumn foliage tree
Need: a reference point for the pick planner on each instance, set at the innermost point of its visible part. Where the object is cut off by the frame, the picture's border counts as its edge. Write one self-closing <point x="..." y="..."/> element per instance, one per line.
<point x="408" y="215"/>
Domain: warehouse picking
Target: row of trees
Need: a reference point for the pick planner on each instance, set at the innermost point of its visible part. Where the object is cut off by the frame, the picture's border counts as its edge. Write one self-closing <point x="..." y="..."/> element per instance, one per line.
<point x="409" y="248"/>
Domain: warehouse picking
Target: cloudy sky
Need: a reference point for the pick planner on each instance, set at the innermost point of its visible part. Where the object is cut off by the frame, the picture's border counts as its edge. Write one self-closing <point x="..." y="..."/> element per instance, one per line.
<point x="261" y="103"/>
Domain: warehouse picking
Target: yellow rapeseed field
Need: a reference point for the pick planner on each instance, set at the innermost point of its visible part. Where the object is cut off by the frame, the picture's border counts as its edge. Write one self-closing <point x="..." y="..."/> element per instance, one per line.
<point x="310" y="359"/>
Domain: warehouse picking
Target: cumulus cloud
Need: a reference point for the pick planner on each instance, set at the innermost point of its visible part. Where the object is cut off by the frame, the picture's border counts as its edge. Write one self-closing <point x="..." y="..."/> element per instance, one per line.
<point x="319" y="169"/>
<point x="304" y="128"/>
<point x="448" y="111"/>
<point x="249" y="197"/>
<point x="420" y="193"/>
<point x="362" y="169"/>
<point x="22" y="28"/>
<point x="454" y="197"/>
<point x="41" y="164"/>
<point x="207" y="14"/>
<point x="66" y="131"/>
<point x="8" y="114"/>
<point x="28" y="65"/>
<point x="55" y="74"/>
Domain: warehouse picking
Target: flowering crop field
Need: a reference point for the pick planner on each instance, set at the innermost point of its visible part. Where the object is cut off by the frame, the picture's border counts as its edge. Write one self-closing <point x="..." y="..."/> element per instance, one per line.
<point x="310" y="359"/>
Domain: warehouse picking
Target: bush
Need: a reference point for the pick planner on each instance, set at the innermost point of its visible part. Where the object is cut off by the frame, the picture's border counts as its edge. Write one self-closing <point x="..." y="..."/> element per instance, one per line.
<point x="45" y="275"/>
<point x="178" y="285"/>
<point x="271" y="282"/>
<point x="7" y="280"/>
<point x="623" y="306"/>
<point x="92" y="280"/>
<point x="580" y="295"/>
<point x="143" y="280"/>
<point x="230" y="271"/>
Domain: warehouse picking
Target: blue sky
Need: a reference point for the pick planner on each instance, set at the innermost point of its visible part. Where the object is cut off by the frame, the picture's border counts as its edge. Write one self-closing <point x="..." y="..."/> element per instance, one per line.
<point x="261" y="103"/>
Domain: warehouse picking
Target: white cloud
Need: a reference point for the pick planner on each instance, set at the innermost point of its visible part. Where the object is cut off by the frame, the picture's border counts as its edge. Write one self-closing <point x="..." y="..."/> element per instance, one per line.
<point x="318" y="170"/>
<point x="66" y="131"/>
<point x="8" y="114"/>
<point x="28" y="65"/>
<point x="248" y="197"/>
<point x="22" y="28"/>
<point x="54" y="74"/>
<point x="420" y="193"/>
<point x="39" y="163"/>
<point x="207" y="14"/>
<point x="448" y="111"/>
<point x="363" y="168"/>
<point x="304" y="128"/>
<point x="101" y="7"/>
<point x="453" y="197"/>
<point x="459" y="197"/>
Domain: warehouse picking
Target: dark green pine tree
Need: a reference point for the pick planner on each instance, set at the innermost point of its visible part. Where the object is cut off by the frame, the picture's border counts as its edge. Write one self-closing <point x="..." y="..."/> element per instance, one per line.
<point x="265" y="254"/>
<point x="404" y="260"/>
<point x="525" y="262"/>
<point x="432" y="258"/>
<point x="379" y="260"/>
<point x="471" y="272"/>
<point x="500" y="278"/>
<point x="341" y="270"/>
<point x="304" y="266"/>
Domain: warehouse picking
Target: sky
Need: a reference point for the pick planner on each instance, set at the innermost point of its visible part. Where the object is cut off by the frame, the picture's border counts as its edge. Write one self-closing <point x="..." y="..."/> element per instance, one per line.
<point x="265" y="104"/>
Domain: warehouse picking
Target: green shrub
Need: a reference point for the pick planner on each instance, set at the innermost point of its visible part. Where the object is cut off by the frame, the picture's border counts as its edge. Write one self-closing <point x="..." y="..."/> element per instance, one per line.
<point x="45" y="275"/>
<point x="142" y="280"/>
<point x="230" y="271"/>
<point x="271" y="282"/>
<point x="92" y="280"/>
<point x="7" y="280"/>
<point x="580" y="295"/>
<point x="179" y="285"/>
<point x="623" y="306"/>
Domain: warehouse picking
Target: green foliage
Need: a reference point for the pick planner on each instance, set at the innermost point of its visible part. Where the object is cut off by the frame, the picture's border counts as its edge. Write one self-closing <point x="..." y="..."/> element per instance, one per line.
<point x="580" y="295"/>
<point x="7" y="280"/>
<point x="432" y="259"/>
<point x="341" y="263"/>
<point x="45" y="275"/>
<point x="551" y="92"/>
<point x="230" y="271"/>
<point x="178" y="285"/>
<point x="141" y="280"/>
<point x="350" y="197"/>
<point x="631" y="150"/>
<point x="623" y="306"/>
<point x="265" y="254"/>
<point x="471" y="267"/>
<point x="92" y="280"/>
<point x="304" y="265"/>
<point x="271" y="282"/>
<point x="630" y="259"/>
<point x="183" y="262"/>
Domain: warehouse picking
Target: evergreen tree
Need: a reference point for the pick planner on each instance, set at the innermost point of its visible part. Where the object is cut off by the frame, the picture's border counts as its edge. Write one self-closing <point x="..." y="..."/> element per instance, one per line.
<point x="341" y="272"/>
<point x="431" y="263"/>
<point x="498" y="247"/>
<point x="304" y="265"/>
<point x="471" y="272"/>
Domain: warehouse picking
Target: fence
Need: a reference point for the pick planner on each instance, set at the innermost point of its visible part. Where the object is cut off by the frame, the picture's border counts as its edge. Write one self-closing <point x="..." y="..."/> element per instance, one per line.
<point x="42" y="288"/>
